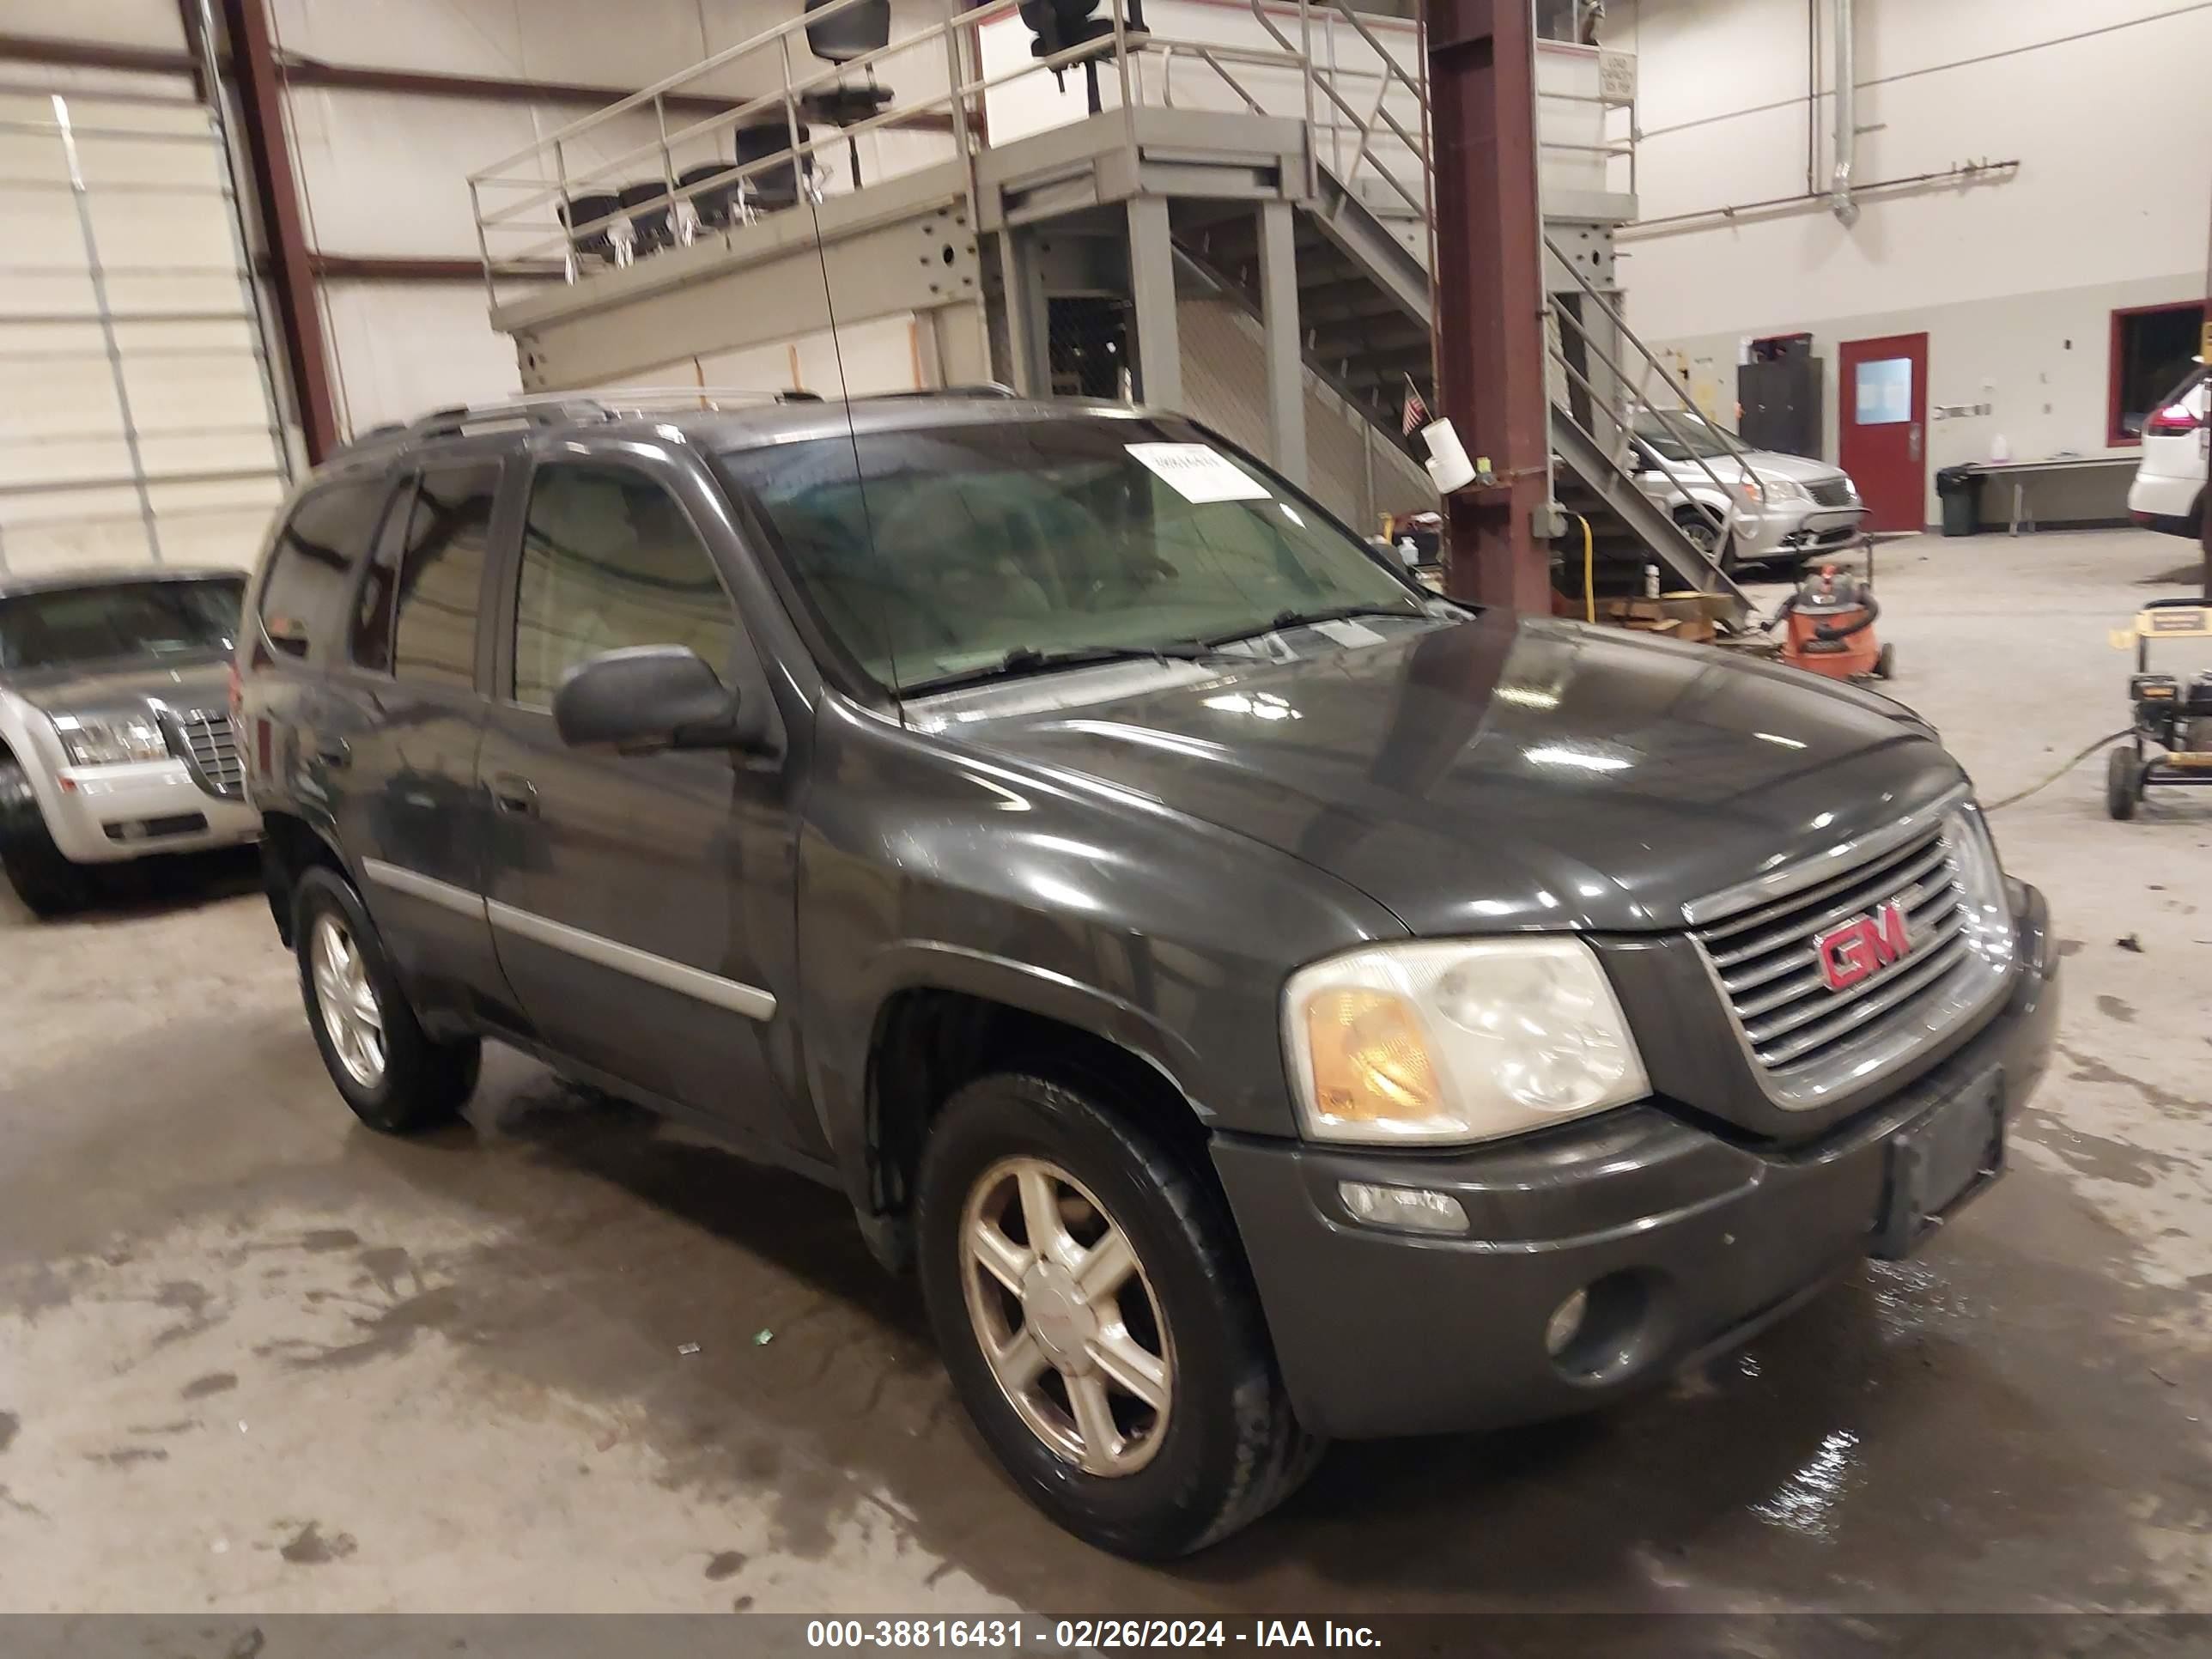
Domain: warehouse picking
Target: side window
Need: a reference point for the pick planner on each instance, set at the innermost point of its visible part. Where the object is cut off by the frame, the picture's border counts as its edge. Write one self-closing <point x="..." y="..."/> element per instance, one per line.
<point x="433" y="629"/>
<point x="609" y="560"/>
<point x="327" y="534"/>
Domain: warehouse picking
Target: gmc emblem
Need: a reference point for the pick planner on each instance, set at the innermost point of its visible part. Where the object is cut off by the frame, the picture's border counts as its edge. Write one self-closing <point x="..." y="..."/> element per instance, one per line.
<point x="1864" y="945"/>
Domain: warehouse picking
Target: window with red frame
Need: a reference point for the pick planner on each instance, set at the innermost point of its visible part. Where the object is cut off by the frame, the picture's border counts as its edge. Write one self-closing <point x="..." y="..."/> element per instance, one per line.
<point x="2153" y="351"/>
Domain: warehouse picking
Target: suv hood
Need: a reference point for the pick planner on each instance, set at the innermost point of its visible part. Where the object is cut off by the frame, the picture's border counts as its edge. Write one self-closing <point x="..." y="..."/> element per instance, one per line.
<point x="196" y="681"/>
<point x="1511" y="773"/>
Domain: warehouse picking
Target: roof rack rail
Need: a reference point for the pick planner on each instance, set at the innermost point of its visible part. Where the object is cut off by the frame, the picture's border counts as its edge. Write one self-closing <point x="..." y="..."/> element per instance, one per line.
<point x="975" y="389"/>
<point x="612" y="403"/>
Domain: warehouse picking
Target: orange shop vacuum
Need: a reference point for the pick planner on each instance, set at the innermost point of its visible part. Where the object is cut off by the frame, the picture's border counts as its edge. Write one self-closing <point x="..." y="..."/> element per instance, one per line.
<point x="1830" y="628"/>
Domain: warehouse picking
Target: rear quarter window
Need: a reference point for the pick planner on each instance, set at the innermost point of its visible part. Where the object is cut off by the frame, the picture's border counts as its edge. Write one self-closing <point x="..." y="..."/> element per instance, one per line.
<point x="326" y="538"/>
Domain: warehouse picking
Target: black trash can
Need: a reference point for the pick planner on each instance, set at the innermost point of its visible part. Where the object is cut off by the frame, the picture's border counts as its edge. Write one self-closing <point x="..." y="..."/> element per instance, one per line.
<point x="1959" y="488"/>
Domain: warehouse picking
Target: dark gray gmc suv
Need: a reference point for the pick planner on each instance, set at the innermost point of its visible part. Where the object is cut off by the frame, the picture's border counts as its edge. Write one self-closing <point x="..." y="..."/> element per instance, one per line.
<point x="1265" y="1001"/>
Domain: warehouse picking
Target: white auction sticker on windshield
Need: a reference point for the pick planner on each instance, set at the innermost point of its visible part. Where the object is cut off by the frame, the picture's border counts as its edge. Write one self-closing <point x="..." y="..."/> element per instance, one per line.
<point x="1199" y="473"/>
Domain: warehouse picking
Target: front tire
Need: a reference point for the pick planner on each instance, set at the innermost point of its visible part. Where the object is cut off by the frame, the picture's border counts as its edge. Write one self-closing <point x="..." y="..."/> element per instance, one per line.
<point x="1708" y="535"/>
<point x="2124" y="783"/>
<point x="396" y="1078"/>
<point x="47" y="882"/>
<point x="1098" y="1320"/>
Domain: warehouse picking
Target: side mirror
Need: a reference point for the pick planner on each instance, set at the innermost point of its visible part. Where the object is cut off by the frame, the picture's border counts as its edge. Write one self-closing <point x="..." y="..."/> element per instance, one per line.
<point x="644" y="698"/>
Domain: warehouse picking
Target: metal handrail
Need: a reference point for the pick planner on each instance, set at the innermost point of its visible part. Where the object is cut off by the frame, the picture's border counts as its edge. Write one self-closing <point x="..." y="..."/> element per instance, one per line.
<point x="1611" y="315"/>
<point x="1597" y="401"/>
<point x="1352" y="101"/>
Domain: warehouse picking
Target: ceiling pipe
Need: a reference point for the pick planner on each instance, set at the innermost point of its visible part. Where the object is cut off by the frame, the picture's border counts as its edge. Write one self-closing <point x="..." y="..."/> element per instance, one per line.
<point x="1847" y="119"/>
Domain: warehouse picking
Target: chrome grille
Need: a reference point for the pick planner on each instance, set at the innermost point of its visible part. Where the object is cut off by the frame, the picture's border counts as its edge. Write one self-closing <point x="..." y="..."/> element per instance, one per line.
<point x="1809" y="1042"/>
<point x="205" y="741"/>
<point x="1831" y="492"/>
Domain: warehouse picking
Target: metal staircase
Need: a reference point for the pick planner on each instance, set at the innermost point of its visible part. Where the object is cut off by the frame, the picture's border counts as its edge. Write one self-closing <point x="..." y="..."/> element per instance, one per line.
<point x="1365" y="313"/>
<point x="1314" y="123"/>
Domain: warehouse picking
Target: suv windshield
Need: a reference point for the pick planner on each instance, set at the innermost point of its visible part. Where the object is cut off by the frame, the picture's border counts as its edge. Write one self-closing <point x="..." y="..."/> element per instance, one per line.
<point x="60" y="627"/>
<point x="1028" y="545"/>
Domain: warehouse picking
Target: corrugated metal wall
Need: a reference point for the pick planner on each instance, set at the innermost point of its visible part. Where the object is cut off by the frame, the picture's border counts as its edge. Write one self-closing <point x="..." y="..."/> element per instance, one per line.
<point x="136" y="416"/>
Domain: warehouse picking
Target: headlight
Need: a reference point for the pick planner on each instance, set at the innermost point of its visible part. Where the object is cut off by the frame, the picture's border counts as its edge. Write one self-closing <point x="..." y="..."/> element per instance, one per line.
<point x="1785" y="489"/>
<point x="1455" y="1040"/>
<point x="1750" y="489"/>
<point x="114" y="741"/>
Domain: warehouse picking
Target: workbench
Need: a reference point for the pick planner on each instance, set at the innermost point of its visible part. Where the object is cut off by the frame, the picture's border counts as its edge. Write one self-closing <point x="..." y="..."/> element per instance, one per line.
<point x="2021" y="472"/>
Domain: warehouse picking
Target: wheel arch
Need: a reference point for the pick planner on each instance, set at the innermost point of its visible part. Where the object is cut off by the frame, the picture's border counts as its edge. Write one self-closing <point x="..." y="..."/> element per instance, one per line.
<point x="290" y="846"/>
<point x="932" y="1032"/>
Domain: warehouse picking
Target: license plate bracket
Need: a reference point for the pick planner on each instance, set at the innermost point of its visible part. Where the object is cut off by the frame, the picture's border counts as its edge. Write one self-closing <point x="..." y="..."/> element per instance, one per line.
<point x="1939" y="1163"/>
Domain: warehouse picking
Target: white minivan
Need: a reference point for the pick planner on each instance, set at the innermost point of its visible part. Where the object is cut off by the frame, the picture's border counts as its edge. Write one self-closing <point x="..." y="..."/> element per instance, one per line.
<point x="2169" y="487"/>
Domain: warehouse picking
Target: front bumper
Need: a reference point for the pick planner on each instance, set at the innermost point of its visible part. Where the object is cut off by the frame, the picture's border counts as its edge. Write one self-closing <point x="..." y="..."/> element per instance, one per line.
<point x="1778" y="530"/>
<point x="103" y="814"/>
<point x="1697" y="1241"/>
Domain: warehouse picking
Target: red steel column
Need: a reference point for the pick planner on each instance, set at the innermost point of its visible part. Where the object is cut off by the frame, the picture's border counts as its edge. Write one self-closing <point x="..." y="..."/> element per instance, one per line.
<point x="1489" y="290"/>
<point x="261" y="106"/>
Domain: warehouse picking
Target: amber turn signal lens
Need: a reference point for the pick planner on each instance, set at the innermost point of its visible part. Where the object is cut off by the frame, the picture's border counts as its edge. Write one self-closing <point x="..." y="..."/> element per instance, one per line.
<point x="1369" y="1061"/>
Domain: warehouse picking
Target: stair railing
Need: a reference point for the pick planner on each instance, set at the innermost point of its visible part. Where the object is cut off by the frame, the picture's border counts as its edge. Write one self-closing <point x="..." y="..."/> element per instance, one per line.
<point x="1685" y="424"/>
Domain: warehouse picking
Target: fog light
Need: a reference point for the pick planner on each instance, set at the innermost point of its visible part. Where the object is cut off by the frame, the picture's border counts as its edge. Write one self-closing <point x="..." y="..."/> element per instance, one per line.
<point x="1565" y="1323"/>
<point x="1414" y="1208"/>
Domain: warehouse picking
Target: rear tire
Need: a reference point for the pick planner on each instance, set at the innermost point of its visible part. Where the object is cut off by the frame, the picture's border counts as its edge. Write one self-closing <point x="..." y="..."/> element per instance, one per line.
<point x="2124" y="783"/>
<point x="396" y="1078"/>
<point x="1222" y="1446"/>
<point x="49" y="884"/>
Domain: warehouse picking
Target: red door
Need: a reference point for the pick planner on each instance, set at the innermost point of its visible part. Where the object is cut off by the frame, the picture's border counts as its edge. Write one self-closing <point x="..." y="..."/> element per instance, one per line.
<point x="1882" y="397"/>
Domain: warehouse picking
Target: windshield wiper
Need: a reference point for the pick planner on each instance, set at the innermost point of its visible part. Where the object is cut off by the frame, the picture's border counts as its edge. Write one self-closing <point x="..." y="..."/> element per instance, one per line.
<point x="1027" y="660"/>
<point x="1284" y="619"/>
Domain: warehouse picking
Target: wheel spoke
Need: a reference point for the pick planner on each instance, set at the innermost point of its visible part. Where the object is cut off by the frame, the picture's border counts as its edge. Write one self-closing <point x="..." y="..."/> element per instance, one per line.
<point x="1041" y="1214"/>
<point x="1003" y="1258"/>
<point x="1125" y="1362"/>
<point x="1020" y="1361"/>
<point x="1106" y="1268"/>
<point x="1094" y="1418"/>
<point x="363" y="1001"/>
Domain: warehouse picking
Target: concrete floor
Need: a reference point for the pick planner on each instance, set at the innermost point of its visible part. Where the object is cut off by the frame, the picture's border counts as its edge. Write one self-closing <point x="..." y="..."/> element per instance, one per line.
<point x="254" y="1357"/>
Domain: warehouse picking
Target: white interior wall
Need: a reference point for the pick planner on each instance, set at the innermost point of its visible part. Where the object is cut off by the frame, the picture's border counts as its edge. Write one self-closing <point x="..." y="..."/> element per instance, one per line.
<point x="2013" y="282"/>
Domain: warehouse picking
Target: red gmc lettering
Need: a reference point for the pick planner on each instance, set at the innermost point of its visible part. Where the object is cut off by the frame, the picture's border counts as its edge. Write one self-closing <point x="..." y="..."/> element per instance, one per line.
<point x="1863" y="945"/>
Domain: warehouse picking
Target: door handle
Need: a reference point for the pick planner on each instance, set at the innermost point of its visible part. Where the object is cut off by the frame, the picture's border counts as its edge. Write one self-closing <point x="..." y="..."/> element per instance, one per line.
<point x="1912" y="441"/>
<point x="514" y="794"/>
<point x="337" y="754"/>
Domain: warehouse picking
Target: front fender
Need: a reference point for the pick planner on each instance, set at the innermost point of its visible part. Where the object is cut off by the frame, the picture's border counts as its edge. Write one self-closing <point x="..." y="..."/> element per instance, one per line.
<point x="928" y="863"/>
<point x="29" y="738"/>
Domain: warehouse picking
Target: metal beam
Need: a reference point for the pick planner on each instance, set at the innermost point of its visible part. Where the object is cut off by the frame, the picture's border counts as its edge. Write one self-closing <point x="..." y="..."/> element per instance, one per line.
<point x="415" y="268"/>
<point x="302" y="71"/>
<point x="1489" y="294"/>
<point x="276" y="192"/>
<point x="1021" y="301"/>
<point x="1279" y="318"/>
<point x="1152" y="299"/>
<point x="91" y="54"/>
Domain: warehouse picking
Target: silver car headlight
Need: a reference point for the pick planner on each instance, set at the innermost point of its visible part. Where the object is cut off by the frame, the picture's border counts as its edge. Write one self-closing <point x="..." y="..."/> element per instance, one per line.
<point x="1451" y="1041"/>
<point x="111" y="740"/>
<point x="1779" y="488"/>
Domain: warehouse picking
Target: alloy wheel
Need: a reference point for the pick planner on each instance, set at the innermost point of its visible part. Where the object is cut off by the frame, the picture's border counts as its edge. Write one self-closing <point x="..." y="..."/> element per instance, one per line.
<point x="351" y="1016"/>
<point x="1065" y="1317"/>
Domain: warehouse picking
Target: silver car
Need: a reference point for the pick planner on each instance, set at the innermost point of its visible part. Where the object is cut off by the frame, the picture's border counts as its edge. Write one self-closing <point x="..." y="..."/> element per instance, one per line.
<point x="115" y="729"/>
<point x="1747" y="506"/>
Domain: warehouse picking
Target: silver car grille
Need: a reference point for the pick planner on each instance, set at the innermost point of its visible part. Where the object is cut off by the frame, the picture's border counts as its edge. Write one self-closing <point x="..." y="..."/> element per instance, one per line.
<point x="206" y="743"/>
<point x="1809" y="1042"/>
<point x="1831" y="492"/>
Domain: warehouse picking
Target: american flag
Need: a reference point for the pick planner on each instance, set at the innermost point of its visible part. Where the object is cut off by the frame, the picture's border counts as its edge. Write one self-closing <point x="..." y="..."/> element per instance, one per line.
<point x="1416" y="414"/>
